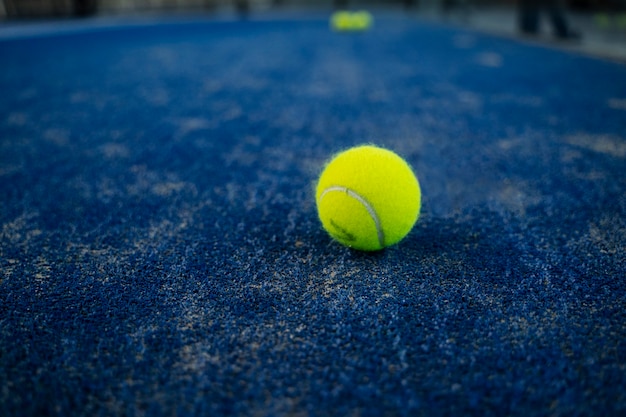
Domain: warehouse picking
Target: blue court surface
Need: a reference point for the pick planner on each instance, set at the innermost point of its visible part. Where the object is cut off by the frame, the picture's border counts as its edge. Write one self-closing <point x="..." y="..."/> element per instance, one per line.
<point x="161" y="254"/>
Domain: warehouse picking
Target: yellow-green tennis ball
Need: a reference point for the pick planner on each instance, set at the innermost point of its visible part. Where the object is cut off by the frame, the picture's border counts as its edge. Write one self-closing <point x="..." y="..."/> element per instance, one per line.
<point x="341" y="20"/>
<point x="361" y="20"/>
<point x="368" y="198"/>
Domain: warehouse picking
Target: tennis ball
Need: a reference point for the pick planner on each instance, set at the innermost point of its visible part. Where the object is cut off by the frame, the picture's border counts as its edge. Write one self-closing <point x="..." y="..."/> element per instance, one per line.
<point x="361" y="20"/>
<point x="344" y="20"/>
<point x="341" y="20"/>
<point x="368" y="198"/>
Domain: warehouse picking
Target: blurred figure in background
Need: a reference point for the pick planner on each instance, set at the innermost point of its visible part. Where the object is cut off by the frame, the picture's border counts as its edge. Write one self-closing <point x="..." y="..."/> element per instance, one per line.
<point x="529" y="14"/>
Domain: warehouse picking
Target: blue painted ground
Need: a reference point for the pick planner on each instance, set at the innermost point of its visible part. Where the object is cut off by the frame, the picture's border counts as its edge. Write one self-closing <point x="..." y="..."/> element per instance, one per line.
<point x="160" y="251"/>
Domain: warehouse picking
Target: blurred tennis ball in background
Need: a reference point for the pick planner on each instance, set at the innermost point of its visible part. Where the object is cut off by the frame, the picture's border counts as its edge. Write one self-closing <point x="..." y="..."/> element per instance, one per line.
<point x="344" y="20"/>
<point x="361" y="20"/>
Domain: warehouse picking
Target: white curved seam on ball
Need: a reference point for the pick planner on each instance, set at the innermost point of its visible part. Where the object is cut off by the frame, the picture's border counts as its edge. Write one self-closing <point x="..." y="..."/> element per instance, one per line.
<point x="365" y="203"/>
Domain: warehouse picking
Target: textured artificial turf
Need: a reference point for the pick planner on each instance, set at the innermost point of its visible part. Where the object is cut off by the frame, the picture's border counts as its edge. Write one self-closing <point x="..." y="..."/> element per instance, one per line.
<point x="160" y="252"/>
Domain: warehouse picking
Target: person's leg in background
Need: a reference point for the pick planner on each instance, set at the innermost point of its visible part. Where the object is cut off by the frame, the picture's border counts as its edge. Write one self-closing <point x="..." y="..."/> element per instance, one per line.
<point x="529" y="15"/>
<point x="556" y="9"/>
<point x="85" y="7"/>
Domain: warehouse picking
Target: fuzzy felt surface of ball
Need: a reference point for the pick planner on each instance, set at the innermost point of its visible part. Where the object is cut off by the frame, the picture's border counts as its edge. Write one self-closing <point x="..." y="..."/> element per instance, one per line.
<point x="368" y="198"/>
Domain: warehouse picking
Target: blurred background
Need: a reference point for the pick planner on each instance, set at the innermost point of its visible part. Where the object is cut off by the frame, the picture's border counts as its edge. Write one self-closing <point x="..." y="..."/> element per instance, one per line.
<point x="46" y="8"/>
<point x="598" y="26"/>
